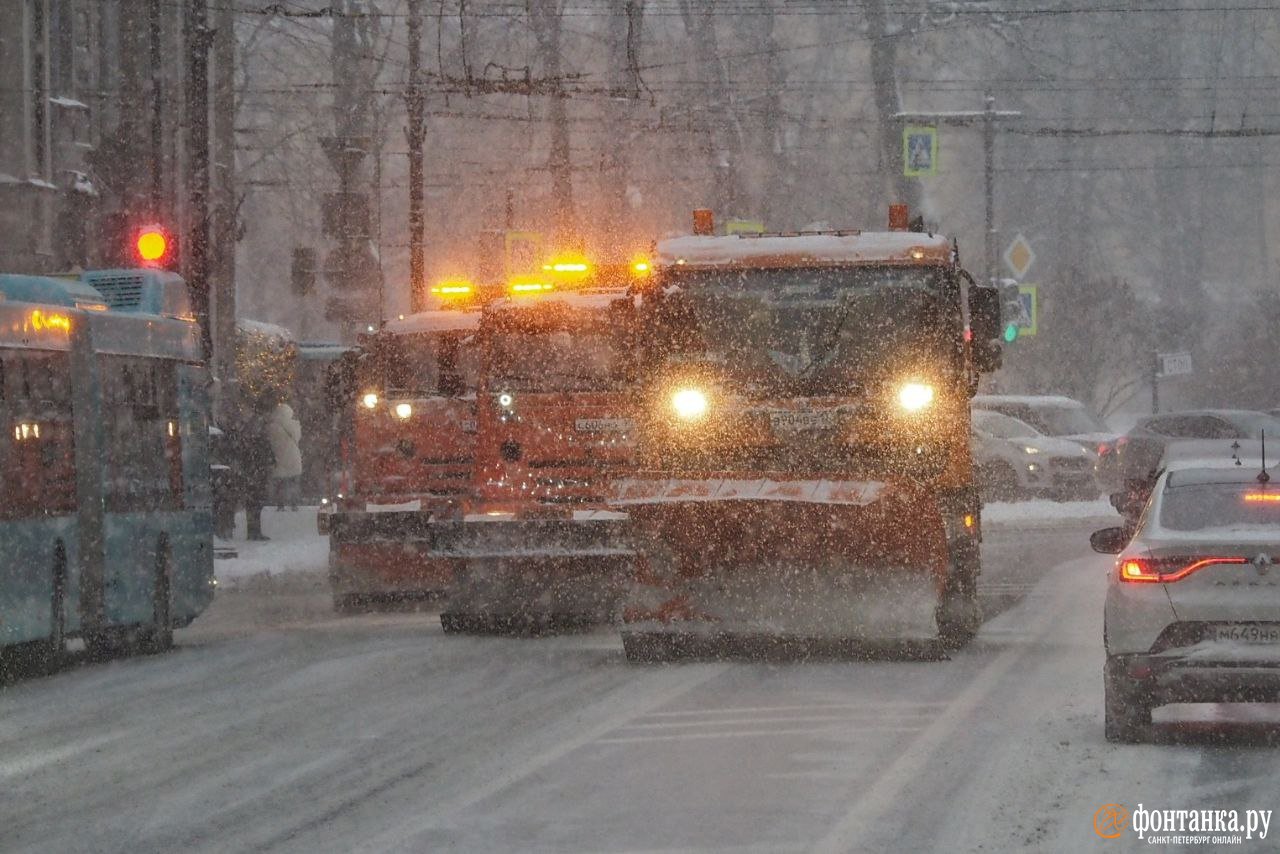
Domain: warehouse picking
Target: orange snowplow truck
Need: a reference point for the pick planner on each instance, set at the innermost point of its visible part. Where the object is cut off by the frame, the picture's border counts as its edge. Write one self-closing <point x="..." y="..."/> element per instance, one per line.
<point x="803" y="466"/>
<point x="537" y="548"/>
<point x="409" y="446"/>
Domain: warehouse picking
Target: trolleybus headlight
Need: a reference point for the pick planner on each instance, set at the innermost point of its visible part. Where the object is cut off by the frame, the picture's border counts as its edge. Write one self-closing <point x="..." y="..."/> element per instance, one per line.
<point x="689" y="404"/>
<point x="913" y="397"/>
<point x="403" y="410"/>
<point x="370" y="400"/>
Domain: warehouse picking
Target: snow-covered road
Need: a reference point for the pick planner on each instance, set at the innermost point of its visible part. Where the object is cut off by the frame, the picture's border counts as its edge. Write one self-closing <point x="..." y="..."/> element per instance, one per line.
<point x="276" y="726"/>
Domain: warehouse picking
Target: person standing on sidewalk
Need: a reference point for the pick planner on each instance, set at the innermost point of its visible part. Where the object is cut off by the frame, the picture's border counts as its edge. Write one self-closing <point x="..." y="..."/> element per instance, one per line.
<point x="255" y="463"/>
<point x="284" y="432"/>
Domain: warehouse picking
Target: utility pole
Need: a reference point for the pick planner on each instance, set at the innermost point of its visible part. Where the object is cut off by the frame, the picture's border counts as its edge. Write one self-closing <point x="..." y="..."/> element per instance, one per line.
<point x="225" y="231"/>
<point x="987" y="116"/>
<point x="415" y="107"/>
<point x="196" y="243"/>
<point x="154" y="60"/>
<point x="350" y="267"/>
<point x="547" y="22"/>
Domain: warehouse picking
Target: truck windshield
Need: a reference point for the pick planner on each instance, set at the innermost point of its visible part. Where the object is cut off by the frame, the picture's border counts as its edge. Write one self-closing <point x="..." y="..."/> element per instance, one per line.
<point x="421" y="365"/>
<point x="815" y="329"/>
<point x="557" y="360"/>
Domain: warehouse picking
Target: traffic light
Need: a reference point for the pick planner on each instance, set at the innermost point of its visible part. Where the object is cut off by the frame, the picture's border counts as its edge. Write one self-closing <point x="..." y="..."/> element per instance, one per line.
<point x="155" y="246"/>
<point x="1010" y="309"/>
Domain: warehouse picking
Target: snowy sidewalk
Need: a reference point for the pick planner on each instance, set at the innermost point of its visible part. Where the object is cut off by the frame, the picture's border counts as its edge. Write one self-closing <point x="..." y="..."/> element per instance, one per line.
<point x="295" y="546"/>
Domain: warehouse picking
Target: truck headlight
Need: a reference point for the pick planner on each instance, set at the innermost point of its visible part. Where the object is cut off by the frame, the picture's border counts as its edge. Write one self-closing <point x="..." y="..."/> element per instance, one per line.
<point x="689" y="404"/>
<point x="370" y="400"/>
<point x="403" y="411"/>
<point x="913" y="397"/>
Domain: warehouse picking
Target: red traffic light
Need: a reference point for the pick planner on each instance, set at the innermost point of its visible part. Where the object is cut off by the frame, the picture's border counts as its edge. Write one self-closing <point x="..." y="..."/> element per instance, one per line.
<point x="152" y="245"/>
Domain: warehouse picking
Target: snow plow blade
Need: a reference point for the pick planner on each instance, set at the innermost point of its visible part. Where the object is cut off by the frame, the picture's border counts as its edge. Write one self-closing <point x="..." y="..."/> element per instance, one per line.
<point x="535" y="574"/>
<point x="377" y="558"/>
<point x="732" y="561"/>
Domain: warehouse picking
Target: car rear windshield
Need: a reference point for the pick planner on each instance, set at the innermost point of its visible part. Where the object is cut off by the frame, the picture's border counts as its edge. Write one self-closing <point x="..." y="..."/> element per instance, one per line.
<point x="1220" y="505"/>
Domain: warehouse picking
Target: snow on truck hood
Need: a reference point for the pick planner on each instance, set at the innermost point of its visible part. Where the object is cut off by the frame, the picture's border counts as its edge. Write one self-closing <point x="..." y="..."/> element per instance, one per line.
<point x="889" y="247"/>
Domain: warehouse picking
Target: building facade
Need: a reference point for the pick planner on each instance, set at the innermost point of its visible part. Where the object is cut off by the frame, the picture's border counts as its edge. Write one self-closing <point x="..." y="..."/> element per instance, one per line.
<point x="91" y="102"/>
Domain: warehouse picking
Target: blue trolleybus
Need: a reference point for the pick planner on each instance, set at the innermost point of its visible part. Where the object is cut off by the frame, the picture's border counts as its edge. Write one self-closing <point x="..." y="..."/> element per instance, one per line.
<point x="105" y="527"/>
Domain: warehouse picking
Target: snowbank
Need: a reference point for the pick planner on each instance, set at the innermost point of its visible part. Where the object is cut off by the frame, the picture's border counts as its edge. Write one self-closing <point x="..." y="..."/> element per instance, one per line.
<point x="1042" y="512"/>
<point x="295" y="546"/>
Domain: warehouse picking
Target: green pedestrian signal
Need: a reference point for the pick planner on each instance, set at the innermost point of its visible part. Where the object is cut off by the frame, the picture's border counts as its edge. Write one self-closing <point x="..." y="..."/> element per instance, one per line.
<point x="1011" y="333"/>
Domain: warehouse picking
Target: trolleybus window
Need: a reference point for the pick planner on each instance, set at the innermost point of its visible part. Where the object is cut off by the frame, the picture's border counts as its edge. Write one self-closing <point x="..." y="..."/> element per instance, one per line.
<point x="37" y="451"/>
<point x="141" y="435"/>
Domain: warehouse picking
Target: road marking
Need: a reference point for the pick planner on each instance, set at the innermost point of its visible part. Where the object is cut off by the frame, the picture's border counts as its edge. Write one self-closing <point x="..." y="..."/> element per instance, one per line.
<point x="23" y="765"/>
<point x="829" y="729"/>
<point x="736" y="710"/>
<point x="800" y="719"/>
<point x="911" y="763"/>
<point x="685" y="680"/>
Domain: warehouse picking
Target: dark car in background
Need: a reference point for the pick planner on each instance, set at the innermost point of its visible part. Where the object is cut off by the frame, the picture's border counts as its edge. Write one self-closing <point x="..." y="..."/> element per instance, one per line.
<point x="1143" y="452"/>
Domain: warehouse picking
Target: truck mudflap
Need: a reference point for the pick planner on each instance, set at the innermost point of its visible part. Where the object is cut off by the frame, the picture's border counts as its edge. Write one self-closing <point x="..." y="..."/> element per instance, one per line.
<point x="864" y="561"/>
<point x="377" y="557"/>
<point x="518" y="574"/>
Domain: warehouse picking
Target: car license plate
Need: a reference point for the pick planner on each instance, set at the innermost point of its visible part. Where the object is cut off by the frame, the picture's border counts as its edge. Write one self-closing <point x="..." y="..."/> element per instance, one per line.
<point x="604" y="425"/>
<point x="1248" y="633"/>
<point x="796" y="421"/>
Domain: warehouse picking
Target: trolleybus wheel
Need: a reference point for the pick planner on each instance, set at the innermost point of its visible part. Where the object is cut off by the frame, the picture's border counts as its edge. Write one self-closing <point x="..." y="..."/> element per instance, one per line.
<point x="57" y="645"/>
<point x="158" y="637"/>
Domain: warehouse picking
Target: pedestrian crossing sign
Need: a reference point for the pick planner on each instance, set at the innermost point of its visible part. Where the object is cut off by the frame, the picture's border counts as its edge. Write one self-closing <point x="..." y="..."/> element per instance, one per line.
<point x="919" y="151"/>
<point x="1028" y="317"/>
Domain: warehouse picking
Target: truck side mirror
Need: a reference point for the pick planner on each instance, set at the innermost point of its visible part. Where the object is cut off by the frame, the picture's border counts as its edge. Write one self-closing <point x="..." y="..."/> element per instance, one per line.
<point x="984" y="323"/>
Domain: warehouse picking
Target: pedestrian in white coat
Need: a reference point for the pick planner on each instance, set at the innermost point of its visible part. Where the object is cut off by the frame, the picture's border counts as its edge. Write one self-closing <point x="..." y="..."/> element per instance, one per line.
<point x="284" y="432"/>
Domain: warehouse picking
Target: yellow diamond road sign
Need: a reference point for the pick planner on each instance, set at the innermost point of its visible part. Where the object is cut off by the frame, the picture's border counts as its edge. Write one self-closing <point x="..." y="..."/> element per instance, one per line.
<point x="1019" y="256"/>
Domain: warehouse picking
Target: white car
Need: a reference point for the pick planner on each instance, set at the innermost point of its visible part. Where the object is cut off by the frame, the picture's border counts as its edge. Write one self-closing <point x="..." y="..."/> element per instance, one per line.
<point x="1052" y="415"/>
<point x="1015" y="459"/>
<point x="1193" y="601"/>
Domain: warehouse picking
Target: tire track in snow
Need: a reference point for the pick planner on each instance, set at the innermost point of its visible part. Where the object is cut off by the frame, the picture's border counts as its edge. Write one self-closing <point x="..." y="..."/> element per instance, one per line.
<point x="914" y="762"/>
<point x="646" y="698"/>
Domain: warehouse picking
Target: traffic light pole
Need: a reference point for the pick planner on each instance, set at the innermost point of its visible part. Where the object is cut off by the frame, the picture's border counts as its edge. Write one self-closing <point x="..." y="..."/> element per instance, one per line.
<point x="195" y="245"/>
<point x="988" y="116"/>
<point x="224" y="231"/>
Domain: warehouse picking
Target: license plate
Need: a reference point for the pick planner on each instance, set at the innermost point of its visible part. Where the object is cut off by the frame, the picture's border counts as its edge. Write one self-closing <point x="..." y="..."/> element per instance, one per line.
<point x="797" y="421"/>
<point x="1249" y="634"/>
<point x="604" y="425"/>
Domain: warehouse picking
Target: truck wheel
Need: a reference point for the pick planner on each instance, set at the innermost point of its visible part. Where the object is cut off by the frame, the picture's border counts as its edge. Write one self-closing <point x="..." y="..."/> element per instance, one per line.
<point x="955" y="631"/>
<point x="1126" y="705"/>
<point x="960" y="613"/>
<point x="649" y="647"/>
<point x="469" y="624"/>
<point x="347" y="604"/>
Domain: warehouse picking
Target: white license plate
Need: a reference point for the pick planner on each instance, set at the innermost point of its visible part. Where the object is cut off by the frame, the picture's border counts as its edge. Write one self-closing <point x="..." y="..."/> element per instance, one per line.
<point x="796" y="421"/>
<point x="604" y="425"/>
<point x="1248" y="634"/>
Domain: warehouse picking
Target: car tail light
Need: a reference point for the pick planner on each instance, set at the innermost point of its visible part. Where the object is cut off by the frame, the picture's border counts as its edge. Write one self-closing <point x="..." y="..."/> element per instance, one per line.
<point x="1103" y="449"/>
<point x="1168" y="569"/>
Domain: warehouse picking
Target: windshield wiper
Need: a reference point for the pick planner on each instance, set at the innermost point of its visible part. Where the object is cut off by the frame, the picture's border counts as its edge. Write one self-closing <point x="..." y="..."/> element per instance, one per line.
<point x="834" y="340"/>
